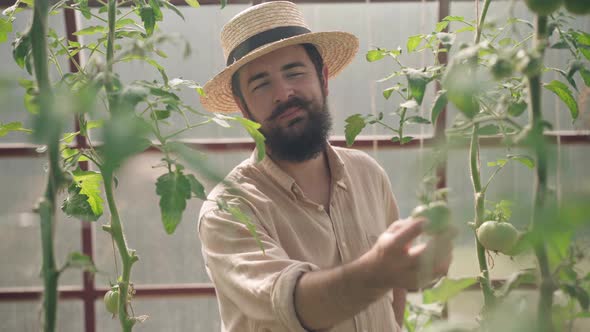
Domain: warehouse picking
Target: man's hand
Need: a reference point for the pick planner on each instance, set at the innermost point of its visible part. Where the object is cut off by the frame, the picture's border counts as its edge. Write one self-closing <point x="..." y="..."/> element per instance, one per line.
<point x="326" y="297"/>
<point x="399" y="263"/>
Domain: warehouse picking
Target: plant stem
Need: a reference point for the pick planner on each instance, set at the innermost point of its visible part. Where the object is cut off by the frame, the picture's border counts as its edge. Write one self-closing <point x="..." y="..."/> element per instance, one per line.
<point x="47" y="204"/>
<point x="167" y="137"/>
<point x="482" y="18"/>
<point x="112" y="17"/>
<point x="128" y="257"/>
<point x="486" y="287"/>
<point x="534" y="84"/>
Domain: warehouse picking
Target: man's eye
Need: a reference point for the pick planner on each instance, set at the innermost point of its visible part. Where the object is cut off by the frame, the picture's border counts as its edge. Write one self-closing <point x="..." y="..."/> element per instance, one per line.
<point x="263" y="84"/>
<point x="294" y="74"/>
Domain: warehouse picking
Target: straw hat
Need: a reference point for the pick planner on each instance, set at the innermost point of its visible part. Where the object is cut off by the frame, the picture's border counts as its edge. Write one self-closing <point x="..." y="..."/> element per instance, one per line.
<point x="262" y="29"/>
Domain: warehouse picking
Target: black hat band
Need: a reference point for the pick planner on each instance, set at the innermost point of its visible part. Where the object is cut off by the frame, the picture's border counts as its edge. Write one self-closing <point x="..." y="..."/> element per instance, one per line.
<point x="263" y="38"/>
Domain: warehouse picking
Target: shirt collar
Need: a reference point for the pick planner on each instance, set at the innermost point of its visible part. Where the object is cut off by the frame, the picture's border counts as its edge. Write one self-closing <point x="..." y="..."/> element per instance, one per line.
<point x="272" y="170"/>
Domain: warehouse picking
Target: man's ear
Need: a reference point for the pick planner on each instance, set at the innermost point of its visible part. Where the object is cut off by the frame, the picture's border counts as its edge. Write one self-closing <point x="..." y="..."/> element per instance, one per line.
<point x="325" y="76"/>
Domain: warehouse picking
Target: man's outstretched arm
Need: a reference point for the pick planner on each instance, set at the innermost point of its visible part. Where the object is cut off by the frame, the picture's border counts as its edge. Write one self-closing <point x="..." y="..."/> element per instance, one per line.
<point x="325" y="298"/>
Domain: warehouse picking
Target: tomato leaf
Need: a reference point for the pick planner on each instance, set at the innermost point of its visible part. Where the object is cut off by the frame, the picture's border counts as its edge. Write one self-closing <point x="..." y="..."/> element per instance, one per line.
<point x="417" y="81"/>
<point x="578" y="293"/>
<point x="158" y="16"/>
<point x="91" y="30"/>
<point x="446" y="288"/>
<point x="89" y="184"/>
<point x="220" y="121"/>
<point x="374" y="55"/>
<point x="242" y="218"/>
<point x="160" y="114"/>
<point x="194" y="3"/>
<point x="12" y="126"/>
<point x="196" y="187"/>
<point x="77" y="204"/>
<point x="467" y="28"/>
<point x="488" y="130"/>
<point x="174" y="190"/>
<point x="564" y="93"/>
<point x="387" y="92"/>
<point x="79" y="260"/>
<point x="406" y="139"/>
<point x="22" y="49"/>
<point x="413" y="42"/>
<point x="253" y="129"/>
<point x="172" y="7"/>
<point x="148" y="17"/>
<point x="454" y="19"/>
<point x="417" y="119"/>
<point x="499" y="163"/>
<point x="583" y="38"/>
<point x="5" y="29"/>
<point x="440" y="102"/>
<point x="525" y="160"/>
<point x="354" y="125"/>
<point x="440" y="26"/>
<point x="524" y="277"/>
<point x="517" y="108"/>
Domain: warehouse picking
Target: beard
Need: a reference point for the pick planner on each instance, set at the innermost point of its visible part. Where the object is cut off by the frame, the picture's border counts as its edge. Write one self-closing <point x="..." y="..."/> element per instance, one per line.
<point x="299" y="144"/>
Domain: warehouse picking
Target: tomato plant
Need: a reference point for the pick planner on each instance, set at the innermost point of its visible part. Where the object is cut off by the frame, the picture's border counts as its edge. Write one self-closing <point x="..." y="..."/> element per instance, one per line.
<point x="491" y="82"/>
<point x="133" y="122"/>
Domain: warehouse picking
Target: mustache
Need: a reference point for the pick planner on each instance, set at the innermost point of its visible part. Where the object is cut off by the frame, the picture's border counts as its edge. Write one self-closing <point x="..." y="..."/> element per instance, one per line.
<point x="293" y="102"/>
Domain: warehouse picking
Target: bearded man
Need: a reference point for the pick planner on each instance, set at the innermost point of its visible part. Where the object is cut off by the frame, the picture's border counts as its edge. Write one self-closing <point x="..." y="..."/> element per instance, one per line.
<point x="336" y="256"/>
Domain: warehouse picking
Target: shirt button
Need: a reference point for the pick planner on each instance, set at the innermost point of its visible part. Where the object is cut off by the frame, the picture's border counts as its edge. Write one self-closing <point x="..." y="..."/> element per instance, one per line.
<point x="320" y="208"/>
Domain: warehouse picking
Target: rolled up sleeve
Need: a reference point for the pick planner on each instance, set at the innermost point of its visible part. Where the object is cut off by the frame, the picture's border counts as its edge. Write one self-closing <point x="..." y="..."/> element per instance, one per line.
<point x="259" y="284"/>
<point x="283" y="300"/>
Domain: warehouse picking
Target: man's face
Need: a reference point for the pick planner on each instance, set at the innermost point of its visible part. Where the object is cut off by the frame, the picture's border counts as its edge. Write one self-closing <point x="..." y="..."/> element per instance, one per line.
<point x="282" y="92"/>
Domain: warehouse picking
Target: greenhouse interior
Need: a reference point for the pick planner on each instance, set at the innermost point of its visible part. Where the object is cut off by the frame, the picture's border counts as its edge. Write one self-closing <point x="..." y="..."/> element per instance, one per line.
<point x="159" y="158"/>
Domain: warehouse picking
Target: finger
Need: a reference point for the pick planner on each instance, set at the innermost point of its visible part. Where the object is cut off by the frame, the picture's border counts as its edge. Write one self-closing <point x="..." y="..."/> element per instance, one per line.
<point x="408" y="230"/>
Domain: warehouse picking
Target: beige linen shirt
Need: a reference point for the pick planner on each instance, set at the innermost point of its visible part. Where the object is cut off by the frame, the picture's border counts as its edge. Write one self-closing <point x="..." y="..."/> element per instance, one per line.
<point x="255" y="289"/>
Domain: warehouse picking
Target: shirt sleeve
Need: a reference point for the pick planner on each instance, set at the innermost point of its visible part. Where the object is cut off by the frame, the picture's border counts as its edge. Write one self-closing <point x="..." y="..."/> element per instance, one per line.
<point x="261" y="284"/>
<point x="389" y="201"/>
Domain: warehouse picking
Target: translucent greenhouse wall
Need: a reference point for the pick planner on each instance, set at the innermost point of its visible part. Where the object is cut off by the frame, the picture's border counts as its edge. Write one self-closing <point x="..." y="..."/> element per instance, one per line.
<point x="177" y="258"/>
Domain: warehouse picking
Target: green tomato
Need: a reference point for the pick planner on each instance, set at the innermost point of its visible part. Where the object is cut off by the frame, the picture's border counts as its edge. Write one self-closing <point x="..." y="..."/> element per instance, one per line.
<point x="579" y="7"/>
<point x="111" y="301"/>
<point x="497" y="236"/>
<point x="544" y="7"/>
<point x="462" y="90"/>
<point x="501" y="68"/>
<point x="438" y="215"/>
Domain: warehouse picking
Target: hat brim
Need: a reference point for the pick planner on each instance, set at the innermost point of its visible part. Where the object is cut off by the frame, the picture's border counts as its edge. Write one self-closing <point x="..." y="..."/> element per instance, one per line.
<point x="337" y="48"/>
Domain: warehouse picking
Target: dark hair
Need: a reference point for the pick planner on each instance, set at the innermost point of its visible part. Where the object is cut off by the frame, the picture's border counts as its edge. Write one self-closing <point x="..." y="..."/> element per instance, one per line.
<point x="314" y="56"/>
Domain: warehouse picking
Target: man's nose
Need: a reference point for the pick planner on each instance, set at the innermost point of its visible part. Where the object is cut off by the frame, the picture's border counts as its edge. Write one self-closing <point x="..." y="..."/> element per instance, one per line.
<point x="282" y="91"/>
